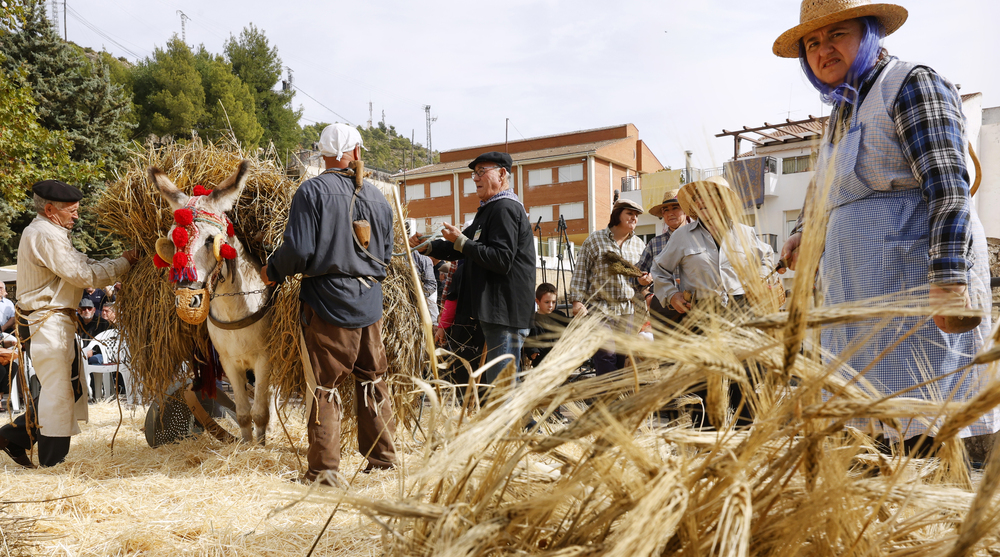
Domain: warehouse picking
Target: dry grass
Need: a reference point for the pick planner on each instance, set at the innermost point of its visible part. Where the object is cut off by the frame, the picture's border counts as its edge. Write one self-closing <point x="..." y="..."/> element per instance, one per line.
<point x="197" y="497"/>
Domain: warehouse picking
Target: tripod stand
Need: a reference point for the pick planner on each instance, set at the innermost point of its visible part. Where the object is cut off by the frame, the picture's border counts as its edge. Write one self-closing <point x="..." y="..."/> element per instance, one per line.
<point x="538" y="229"/>
<point x="563" y="238"/>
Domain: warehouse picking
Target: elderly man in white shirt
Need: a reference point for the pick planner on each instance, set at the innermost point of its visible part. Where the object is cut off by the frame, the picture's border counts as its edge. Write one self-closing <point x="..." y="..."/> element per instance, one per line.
<point x="51" y="277"/>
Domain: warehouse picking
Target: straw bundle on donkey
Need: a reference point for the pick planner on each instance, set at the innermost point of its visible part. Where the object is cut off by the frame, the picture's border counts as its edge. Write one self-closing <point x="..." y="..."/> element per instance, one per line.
<point x="160" y="343"/>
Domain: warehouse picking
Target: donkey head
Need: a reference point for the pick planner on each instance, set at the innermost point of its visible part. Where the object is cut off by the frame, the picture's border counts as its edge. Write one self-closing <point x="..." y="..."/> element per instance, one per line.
<point x="200" y="240"/>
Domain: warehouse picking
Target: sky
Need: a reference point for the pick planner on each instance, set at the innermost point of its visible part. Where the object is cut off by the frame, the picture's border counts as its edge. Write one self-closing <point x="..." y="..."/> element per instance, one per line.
<point x="679" y="71"/>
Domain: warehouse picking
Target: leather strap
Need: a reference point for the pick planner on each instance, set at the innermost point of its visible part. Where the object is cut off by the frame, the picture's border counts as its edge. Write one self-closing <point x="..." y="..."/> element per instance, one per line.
<point x="248" y="320"/>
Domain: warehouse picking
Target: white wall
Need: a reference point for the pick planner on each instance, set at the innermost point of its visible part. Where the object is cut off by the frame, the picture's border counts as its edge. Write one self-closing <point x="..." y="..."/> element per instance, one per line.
<point x="987" y="199"/>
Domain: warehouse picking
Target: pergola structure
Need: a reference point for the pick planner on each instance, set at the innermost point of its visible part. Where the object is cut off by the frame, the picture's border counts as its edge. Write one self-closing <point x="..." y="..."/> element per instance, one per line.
<point x="790" y="130"/>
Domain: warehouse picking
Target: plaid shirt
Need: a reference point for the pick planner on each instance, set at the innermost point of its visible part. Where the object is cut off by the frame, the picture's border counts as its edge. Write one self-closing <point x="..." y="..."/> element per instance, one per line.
<point x="931" y="128"/>
<point x="593" y="282"/>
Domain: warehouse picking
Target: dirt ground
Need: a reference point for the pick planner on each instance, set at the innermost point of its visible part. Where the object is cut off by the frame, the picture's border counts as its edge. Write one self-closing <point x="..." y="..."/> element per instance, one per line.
<point x="197" y="497"/>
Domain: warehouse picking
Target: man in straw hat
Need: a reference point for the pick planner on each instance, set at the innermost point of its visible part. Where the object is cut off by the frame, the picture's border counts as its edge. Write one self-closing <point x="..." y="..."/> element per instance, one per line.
<point x="596" y="286"/>
<point x="341" y="302"/>
<point x="892" y="175"/>
<point x="673" y="218"/>
<point x="497" y="279"/>
<point x="51" y="276"/>
<point x="701" y="258"/>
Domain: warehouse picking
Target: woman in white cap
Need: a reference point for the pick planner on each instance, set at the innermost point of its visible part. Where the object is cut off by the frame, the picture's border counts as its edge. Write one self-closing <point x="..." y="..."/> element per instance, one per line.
<point x="892" y="164"/>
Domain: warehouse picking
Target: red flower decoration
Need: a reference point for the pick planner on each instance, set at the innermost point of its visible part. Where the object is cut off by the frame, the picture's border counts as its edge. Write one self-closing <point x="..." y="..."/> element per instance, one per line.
<point x="180" y="260"/>
<point x="158" y="262"/>
<point x="180" y="236"/>
<point x="229" y="228"/>
<point x="227" y="251"/>
<point x="201" y="190"/>
<point x="183" y="216"/>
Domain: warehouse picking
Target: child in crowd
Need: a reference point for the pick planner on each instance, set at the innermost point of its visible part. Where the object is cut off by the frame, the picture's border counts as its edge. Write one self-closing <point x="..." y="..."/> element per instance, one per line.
<point x="547" y="325"/>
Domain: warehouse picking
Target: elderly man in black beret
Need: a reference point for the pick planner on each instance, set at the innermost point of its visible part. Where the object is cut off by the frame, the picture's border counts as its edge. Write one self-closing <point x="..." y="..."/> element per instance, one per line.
<point x="51" y="276"/>
<point x="498" y="277"/>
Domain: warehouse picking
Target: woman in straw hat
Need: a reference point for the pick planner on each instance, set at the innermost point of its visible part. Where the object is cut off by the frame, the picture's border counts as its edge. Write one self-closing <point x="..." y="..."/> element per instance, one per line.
<point x="893" y="175"/>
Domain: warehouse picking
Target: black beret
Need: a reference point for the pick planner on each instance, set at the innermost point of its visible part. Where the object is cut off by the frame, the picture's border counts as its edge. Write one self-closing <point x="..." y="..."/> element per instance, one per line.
<point x="54" y="190"/>
<point x="502" y="159"/>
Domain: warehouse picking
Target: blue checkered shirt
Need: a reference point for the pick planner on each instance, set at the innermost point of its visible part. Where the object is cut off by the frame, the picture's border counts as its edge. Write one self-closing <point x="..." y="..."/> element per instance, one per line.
<point x="931" y="128"/>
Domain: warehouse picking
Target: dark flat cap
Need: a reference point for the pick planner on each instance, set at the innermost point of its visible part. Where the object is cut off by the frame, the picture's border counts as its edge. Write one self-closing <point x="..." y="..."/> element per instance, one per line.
<point x="54" y="190"/>
<point x="501" y="159"/>
<point x="86" y="303"/>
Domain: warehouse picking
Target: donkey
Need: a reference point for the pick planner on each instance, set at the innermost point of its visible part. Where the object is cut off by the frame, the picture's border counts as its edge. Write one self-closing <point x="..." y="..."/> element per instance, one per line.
<point x="216" y="278"/>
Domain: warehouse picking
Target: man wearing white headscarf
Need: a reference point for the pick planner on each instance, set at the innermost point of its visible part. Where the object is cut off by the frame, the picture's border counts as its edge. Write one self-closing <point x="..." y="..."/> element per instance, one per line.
<point x="341" y="299"/>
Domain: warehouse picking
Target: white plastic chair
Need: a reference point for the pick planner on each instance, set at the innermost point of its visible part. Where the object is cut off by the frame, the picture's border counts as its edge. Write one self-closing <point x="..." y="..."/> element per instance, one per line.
<point x="116" y="359"/>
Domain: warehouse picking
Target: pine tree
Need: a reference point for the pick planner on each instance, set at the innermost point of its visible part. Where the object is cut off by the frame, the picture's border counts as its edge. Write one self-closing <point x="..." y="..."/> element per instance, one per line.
<point x="229" y="104"/>
<point x="168" y="91"/>
<point x="257" y="63"/>
<point x="73" y="94"/>
<point x="28" y="153"/>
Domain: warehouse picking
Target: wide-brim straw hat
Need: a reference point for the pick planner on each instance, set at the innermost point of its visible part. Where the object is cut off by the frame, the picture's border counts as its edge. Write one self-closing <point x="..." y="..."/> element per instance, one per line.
<point x="668" y="198"/>
<point x="815" y="14"/>
<point x="714" y="183"/>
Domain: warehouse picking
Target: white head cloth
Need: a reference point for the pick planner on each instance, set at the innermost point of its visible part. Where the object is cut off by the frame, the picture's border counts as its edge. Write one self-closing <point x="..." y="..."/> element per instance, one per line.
<point x="338" y="139"/>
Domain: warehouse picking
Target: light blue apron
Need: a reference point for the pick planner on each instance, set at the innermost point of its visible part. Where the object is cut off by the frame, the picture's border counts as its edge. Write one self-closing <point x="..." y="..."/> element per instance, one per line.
<point x="877" y="244"/>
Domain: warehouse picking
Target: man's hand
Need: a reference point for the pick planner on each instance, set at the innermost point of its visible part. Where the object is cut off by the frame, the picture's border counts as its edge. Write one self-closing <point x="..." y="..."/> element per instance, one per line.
<point x="263" y="276"/>
<point x="952" y="296"/>
<point x="131" y="256"/>
<point x="449" y="232"/>
<point x="578" y="309"/>
<point x="646" y="279"/>
<point x="439" y="336"/>
<point x="790" y="251"/>
<point x="414" y="240"/>
<point x="679" y="304"/>
<point x="90" y="354"/>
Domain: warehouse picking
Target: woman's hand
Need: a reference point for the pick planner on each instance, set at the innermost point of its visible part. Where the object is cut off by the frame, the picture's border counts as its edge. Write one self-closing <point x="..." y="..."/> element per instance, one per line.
<point x="790" y="251"/>
<point x="952" y="296"/>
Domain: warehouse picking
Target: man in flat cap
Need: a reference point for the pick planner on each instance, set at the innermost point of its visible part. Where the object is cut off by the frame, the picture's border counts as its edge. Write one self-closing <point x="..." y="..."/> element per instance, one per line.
<point x="341" y="298"/>
<point x="498" y="276"/>
<point x="597" y="287"/>
<point x="51" y="276"/>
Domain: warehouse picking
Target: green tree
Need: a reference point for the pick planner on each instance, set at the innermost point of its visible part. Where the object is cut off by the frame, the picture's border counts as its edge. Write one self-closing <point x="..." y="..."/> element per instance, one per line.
<point x="257" y="63"/>
<point x="73" y="94"/>
<point x="29" y="153"/>
<point x="385" y="149"/>
<point x="169" y="92"/>
<point x="229" y="104"/>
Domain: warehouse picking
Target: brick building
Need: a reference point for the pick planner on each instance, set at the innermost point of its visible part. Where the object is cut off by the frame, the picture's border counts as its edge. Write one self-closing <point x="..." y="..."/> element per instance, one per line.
<point x="573" y="174"/>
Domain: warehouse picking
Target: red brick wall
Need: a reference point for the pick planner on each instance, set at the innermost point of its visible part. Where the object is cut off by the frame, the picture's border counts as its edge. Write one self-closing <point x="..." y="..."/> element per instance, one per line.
<point x="647" y="160"/>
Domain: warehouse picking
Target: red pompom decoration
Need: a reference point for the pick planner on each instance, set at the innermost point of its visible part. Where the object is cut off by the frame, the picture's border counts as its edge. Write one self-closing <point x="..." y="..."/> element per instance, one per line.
<point x="180" y="236"/>
<point x="229" y="228"/>
<point x="201" y="190"/>
<point x="183" y="216"/>
<point x="227" y="251"/>
<point x="180" y="260"/>
<point x="158" y="262"/>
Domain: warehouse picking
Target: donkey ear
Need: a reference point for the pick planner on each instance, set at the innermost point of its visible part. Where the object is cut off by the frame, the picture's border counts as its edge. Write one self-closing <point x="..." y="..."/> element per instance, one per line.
<point x="165" y="249"/>
<point x="173" y="196"/>
<point x="224" y="196"/>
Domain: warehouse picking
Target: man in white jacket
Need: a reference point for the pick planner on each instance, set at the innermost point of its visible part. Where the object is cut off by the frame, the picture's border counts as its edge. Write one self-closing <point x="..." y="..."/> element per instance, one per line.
<point x="51" y="277"/>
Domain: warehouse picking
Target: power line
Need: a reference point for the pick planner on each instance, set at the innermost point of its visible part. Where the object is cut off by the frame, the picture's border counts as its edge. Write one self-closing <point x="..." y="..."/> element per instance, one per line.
<point x="76" y="15"/>
<point x="297" y="88"/>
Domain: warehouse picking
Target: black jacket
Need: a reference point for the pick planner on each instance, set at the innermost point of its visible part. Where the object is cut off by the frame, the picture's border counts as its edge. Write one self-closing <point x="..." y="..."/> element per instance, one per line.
<point x="498" y="277"/>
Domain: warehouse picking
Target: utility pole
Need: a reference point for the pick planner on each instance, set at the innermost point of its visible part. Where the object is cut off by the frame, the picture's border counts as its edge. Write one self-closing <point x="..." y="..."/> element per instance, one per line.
<point x="412" y="136"/>
<point x="65" y="34"/>
<point x="184" y="19"/>
<point x="55" y="16"/>
<point x="383" y="118"/>
<point x="430" y="151"/>
<point x="369" y="115"/>
<point x="506" y="136"/>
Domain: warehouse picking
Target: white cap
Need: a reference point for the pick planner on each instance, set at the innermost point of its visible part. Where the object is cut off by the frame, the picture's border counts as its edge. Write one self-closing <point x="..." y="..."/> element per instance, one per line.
<point x="338" y="139"/>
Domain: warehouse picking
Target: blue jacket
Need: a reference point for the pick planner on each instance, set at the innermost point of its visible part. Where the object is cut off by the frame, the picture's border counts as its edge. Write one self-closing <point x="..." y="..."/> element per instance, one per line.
<point x="340" y="282"/>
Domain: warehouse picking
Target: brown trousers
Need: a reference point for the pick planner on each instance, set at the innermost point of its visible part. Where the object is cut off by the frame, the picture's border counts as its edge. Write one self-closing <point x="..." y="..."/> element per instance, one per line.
<point x="335" y="353"/>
